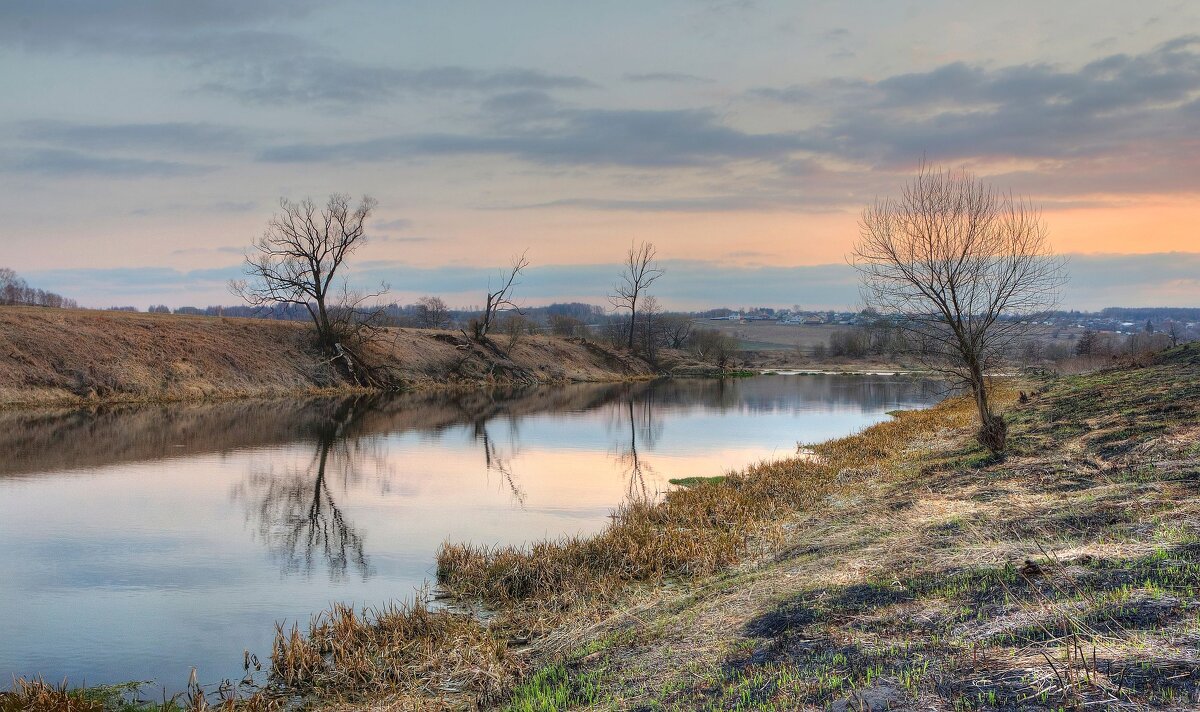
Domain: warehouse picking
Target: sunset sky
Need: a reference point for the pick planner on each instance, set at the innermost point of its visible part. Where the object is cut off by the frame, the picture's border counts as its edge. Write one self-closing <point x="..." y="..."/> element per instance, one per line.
<point x="144" y="144"/>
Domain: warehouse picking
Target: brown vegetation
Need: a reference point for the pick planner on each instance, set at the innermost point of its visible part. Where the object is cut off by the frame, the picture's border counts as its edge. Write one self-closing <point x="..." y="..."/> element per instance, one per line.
<point x="951" y="256"/>
<point x="885" y="566"/>
<point x="901" y="567"/>
<point x="73" y="357"/>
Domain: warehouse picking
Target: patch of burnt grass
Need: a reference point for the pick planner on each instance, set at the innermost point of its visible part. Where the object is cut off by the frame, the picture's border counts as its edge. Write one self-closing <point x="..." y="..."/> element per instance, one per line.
<point x="814" y="646"/>
<point x="1126" y="405"/>
<point x="1162" y="681"/>
<point x="861" y="597"/>
<point x="788" y="616"/>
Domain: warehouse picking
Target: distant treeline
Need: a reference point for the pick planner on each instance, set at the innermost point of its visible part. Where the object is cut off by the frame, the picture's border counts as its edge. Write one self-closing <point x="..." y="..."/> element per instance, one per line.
<point x="1154" y="314"/>
<point x="428" y="312"/>
<point x="14" y="290"/>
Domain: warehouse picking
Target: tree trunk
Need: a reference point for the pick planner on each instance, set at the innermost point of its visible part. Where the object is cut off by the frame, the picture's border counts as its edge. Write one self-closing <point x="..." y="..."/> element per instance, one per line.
<point x="325" y="331"/>
<point x="993" y="431"/>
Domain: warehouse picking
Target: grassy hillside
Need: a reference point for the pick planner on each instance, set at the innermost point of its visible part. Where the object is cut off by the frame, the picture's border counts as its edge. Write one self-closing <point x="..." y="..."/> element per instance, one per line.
<point x="1065" y="575"/>
<point x="900" y="568"/>
<point x="66" y="357"/>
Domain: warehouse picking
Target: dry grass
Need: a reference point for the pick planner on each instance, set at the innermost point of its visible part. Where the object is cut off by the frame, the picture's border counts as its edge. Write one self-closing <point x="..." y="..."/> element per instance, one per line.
<point x="40" y="696"/>
<point x="81" y="357"/>
<point x="544" y="595"/>
<point x="691" y="533"/>
<point x="36" y="695"/>
<point x="930" y="575"/>
<point x="404" y="651"/>
<point x="902" y="566"/>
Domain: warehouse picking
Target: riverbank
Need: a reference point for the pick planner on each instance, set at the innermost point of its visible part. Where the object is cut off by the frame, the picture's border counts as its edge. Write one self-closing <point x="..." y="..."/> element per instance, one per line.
<point x="69" y="357"/>
<point x="925" y="574"/>
<point x="900" y="567"/>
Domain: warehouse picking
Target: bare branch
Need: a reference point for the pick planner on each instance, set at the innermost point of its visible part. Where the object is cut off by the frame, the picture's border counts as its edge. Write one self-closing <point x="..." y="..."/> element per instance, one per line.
<point x="641" y="270"/>
<point x="298" y="256"/>
<point x="501" y="299"/>
<point x="962" y="269"/>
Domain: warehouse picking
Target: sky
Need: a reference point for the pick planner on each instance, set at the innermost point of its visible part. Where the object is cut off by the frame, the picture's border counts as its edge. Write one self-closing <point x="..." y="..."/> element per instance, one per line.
<point x="145" y="143"/>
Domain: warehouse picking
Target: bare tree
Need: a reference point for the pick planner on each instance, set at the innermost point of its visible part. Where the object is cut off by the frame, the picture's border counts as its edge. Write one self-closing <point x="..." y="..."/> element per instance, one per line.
<point x="959" y="264"/>
<point x="641" y="270"/>
<point x="432" y="312"/>
<point x="1174" y="332"/>
<point x="676" y="329"/>
<point x="650" y="311"/>
<point x="713" y="345"/>
<point x="500" y="299"/>
<point x="563" y="325"/>
<point x="11" y="286"/>
<point x="14" y="290"/>
<point x="299" y="255"/>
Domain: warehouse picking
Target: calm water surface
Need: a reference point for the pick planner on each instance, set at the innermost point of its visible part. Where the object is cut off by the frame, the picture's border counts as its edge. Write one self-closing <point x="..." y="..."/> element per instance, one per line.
<point x="136" y="543"/>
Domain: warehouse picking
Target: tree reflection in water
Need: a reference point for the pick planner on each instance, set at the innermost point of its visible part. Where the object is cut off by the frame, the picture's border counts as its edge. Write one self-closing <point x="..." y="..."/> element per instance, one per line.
<point x="297" y="510"/>
<point x="640" y="413"/>
<point x="499" y="461"/>
<point x="297" y="515"/>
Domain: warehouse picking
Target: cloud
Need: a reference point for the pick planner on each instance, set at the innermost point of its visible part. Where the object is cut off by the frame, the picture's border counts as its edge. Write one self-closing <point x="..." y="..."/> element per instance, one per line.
<point x="233" y="206"/>
<point x="223" y="250"/>
<point x="224" y="206"/>
<point x="134" y="26"/>
<point x="756" y="201"/>
<point x="1130" y="116"/>
<point x="397" y="224"/>
<point x="177" y="136"/>
<point x="1096" y="281"/>
<point x="138" y="285"/>
<point x="398" y="240"/>
<point x="318" y="78"/>
<point x="244" y="50"/>
<point x="594" y="137"/>
<point x="668" y="77"/>
<point x="64" y="163"/>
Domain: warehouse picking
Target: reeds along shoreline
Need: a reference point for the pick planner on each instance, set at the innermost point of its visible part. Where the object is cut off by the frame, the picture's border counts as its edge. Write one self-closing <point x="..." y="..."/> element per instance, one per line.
<point x="1097" y="494"/>
<point x="427" y="657"/>
<point x="691" y="533"/>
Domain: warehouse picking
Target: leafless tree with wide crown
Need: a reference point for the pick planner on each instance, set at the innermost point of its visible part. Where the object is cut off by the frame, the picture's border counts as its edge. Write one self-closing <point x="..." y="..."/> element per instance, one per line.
<point x="640" y="271"/>
<point x="297" y="258"/>
<point x="963" y="268"/>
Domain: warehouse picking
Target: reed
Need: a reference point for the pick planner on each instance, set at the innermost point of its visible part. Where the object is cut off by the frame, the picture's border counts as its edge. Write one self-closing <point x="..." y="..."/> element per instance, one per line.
<point x="691" y="532"/>
<point x="37" y="695"/>
<point x="401" y="649"/>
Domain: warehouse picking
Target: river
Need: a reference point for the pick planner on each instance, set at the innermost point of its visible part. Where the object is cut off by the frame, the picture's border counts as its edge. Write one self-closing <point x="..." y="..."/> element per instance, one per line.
<point x="139" y="542"/>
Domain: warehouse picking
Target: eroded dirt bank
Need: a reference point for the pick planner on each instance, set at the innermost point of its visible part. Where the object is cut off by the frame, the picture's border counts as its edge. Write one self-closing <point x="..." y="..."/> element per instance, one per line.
<point x="78" y="357"/>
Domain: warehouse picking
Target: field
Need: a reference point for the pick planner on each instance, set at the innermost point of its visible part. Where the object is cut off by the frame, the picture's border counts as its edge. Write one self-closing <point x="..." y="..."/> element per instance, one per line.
<point x="772" y="336"/>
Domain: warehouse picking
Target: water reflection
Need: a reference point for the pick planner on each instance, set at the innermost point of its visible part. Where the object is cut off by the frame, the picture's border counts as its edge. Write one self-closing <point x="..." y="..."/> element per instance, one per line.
<point x="639" y="413"/>
<point x="154" y="539"/>
<point x="297" y="515"/>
